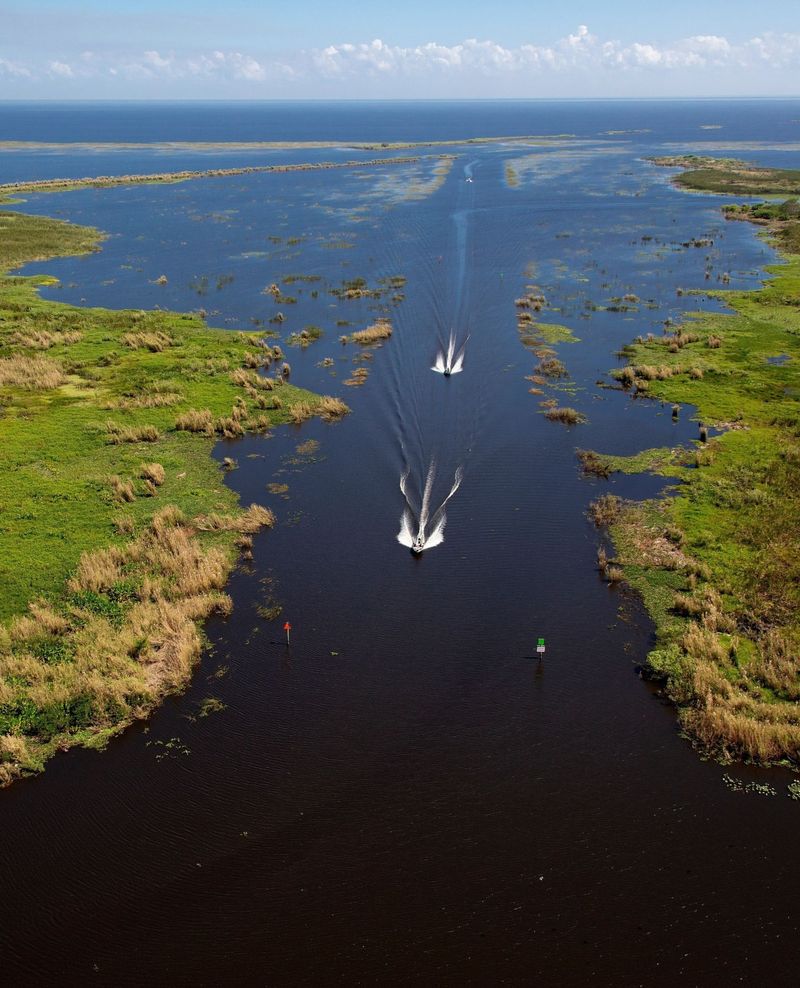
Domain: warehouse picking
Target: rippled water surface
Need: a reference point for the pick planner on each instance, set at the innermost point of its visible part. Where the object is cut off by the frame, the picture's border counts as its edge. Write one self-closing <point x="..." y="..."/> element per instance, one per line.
<point x="407" y="794"/>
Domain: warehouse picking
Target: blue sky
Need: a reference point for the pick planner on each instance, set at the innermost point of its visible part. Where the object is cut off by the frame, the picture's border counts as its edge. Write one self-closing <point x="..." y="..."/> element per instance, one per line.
<point x="438" y="48"/>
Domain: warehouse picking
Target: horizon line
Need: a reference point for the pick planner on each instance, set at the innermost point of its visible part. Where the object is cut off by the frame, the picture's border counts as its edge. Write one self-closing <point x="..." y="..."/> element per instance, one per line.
<point x="401" y="99"/>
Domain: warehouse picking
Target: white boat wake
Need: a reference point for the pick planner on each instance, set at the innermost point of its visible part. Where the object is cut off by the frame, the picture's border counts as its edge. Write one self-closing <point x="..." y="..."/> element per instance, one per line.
<point x="422" y="529"/>
<point x="450" y="361"/>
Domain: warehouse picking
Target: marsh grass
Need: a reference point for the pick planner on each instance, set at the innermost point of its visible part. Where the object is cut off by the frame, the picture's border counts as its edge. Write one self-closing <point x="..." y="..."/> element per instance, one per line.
<point x="44" y="339"/>
<point x="127" y="634"/>
<point x="605" y="510"/>
<point x="551" y="367"/>
<point x="380" y="330"/>
<point x="332" y="409"/>
<point x="565" y="415"/>
<point x="117" y="434"/>
<point x="155" y="342"/>
<point x="301" y="412"/>
<point x="717" y="564"/>
<point x="594" y="464"/>
<point x="128" y="583"/>
<point x="154" y="472"/>
<point x="194" y="420"/>
<point x="357" y="378"/>
<point x="31" y="373"/>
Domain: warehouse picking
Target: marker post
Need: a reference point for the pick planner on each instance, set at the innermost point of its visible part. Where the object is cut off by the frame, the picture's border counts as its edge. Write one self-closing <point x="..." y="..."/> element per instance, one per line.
<point x="287" y="628"/>
<point x="540" y="648"/>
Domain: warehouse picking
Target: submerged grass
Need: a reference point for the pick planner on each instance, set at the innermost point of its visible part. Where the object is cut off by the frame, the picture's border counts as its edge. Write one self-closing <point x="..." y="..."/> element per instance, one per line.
<point x="117" y="532"/>
<point x="718" y="564"/>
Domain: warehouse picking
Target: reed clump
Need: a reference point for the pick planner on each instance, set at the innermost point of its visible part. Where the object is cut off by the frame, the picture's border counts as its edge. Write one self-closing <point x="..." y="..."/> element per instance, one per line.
<point x="551" y="367"/>
<point x="300" y="412"/>
<point x="594" y="464"/>
<point x="196" y="420"/>
<point x="605" y="510"/>
<point x="155" y="342"/>
<point x="565" y="415"/>
<point x="117" y="434"/>
<point x="148" y="399"/>
<point x="123" y="490"/>
<point x="357" y="378"/>
<point x="229" y="426"/>
<point x="43" y="339"/>
<point x="332" y="409"/>
<point x="381" y="329"/>
<point x="31" y="373"/>
<point x="154" y="472"/>
<point x="246" y="522"/>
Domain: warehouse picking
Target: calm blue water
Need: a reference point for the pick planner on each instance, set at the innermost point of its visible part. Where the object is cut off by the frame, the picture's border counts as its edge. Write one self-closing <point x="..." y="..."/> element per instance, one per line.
<point x="671" y="120"/>
<point x="406" y="796"/>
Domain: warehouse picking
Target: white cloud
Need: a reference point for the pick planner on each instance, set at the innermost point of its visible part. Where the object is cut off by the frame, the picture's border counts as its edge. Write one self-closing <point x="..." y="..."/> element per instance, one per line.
<point x="581" y="55"/>
<point x="157" y="62"/>
<point x="61" y="69"/>
<point x="9" y="68"/>
<point x="581" y="50"/>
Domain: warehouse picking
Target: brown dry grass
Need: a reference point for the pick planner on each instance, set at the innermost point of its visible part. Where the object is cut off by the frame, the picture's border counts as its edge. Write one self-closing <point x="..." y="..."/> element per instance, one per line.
<point x="250" y="521"/>
<point x="155" y="342"/>
<point x="551" y="367"/>
<point x="331" y="409"/>
<point x="605" y="510"/>
<point x="196" y="420"/>
<point x="30" y="373"/>
<point x="123" y="489"/>
<point x="159" y="399"/>
<point x="43" y="339"/>
<point x="381" y="329"/>
<point x="118" y="666"/>
<point x="566" y="415"/>
<point x="154" y="472"/>
<point x="117" y="434"/>
<point x="301" y="412"/>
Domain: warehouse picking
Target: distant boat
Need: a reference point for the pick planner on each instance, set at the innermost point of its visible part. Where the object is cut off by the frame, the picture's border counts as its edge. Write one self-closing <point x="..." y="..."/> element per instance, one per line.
<point x="469" y="179"/>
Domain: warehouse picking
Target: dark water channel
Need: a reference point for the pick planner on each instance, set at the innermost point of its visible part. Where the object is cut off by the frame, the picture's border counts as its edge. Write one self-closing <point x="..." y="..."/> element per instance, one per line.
<point x="406" y="794"/>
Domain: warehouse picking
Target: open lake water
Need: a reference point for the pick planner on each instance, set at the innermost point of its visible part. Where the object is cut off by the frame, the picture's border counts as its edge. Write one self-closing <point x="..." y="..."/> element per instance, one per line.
<point x="407" y="794"/>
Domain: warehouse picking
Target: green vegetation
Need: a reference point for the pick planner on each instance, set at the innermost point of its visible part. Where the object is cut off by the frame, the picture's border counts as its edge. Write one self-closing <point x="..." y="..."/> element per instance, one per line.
<point x="718" y="564"/>
<point x="773" y="215"/>
<point x="116" y="531"/>
<point x="730" y="176"/>
<point x="534" y="334"/>
<point x="664" y="461"/>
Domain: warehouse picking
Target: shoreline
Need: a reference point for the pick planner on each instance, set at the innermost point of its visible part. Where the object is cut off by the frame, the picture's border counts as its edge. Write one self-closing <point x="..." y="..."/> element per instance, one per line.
<point x="716" y="562"/>
<point x="127" y="532"/>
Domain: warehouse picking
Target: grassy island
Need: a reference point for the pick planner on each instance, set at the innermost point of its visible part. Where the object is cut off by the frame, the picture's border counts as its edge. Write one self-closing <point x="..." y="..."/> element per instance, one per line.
<point x="718" y="564"/>
<point x="730" y="176"/>
<point x="117" y="532"/>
